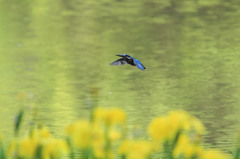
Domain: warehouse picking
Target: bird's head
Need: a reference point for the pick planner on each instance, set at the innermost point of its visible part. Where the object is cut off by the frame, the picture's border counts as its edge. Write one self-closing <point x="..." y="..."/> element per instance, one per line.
<point x="125" y="56"/>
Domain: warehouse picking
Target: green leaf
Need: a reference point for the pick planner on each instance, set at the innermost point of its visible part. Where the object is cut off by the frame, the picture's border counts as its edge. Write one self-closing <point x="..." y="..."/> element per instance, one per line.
<point x="18" y="121"/>
<point x="2" y="153"/>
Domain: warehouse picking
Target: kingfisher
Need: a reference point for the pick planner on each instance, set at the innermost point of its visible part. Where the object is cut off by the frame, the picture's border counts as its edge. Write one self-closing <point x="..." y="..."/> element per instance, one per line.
<point x="127" y="59"/>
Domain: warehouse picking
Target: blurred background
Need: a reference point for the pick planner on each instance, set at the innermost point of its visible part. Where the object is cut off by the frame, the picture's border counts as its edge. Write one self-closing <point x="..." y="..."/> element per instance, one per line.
<point x="55" y="55"/>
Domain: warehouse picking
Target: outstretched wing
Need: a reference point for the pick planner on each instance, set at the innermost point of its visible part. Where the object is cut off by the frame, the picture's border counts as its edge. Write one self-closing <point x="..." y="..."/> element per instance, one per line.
<point x="120" y="61"/>
<point x="139" y="64"/>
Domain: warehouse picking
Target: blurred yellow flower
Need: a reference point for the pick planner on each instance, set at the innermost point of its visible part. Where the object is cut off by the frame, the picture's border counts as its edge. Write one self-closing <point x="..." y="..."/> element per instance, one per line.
<point x="98" y="141"/>
<point x="197" y="125"/>
<point x="158" y="129"/>
<point x="98" y="150"/>
<point x="80" y="133"/>
<point x="109" y="116"/>
<point x="214" y="154"/>
<point x="114" y="135"/>
<point x="167" y="127"/>
<point x="39" y="144"/>
<point x="179" y="120"/>
<point x="139" y="149"/>
<point x="54" y="148"/>
<point x="182" y="132"/>
<point x="186" y="148"/>
<point x="41" y="133"/>
<point x="28" y="147"/>
<point x="44" y="133"/>
<point x="85" y="134"/>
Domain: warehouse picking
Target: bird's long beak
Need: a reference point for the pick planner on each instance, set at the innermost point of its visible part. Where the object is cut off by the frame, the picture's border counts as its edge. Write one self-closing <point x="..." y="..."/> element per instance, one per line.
<point x="120" y="55"/>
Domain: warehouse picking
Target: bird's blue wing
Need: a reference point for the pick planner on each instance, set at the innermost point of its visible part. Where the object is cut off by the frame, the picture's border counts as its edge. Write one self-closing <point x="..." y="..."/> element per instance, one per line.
<point x="138" y="64"/>
<point x="120" y="61"/>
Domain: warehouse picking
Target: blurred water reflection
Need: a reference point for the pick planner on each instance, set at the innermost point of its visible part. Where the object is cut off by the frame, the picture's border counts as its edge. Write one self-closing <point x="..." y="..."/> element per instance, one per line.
<point x="56" y="52"/>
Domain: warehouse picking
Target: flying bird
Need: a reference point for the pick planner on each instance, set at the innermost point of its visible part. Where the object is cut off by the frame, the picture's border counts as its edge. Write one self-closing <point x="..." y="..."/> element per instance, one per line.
<point x="126" y="59"/>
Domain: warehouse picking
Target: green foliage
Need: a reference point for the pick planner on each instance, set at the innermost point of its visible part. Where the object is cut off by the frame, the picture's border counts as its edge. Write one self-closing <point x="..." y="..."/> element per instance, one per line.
<point x="18" y="121"/>
<point x="2" y="152"/>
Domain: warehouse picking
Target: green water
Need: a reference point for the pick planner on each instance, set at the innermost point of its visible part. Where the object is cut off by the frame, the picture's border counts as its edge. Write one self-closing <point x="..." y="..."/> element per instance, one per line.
<point x="57" y="52"/>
